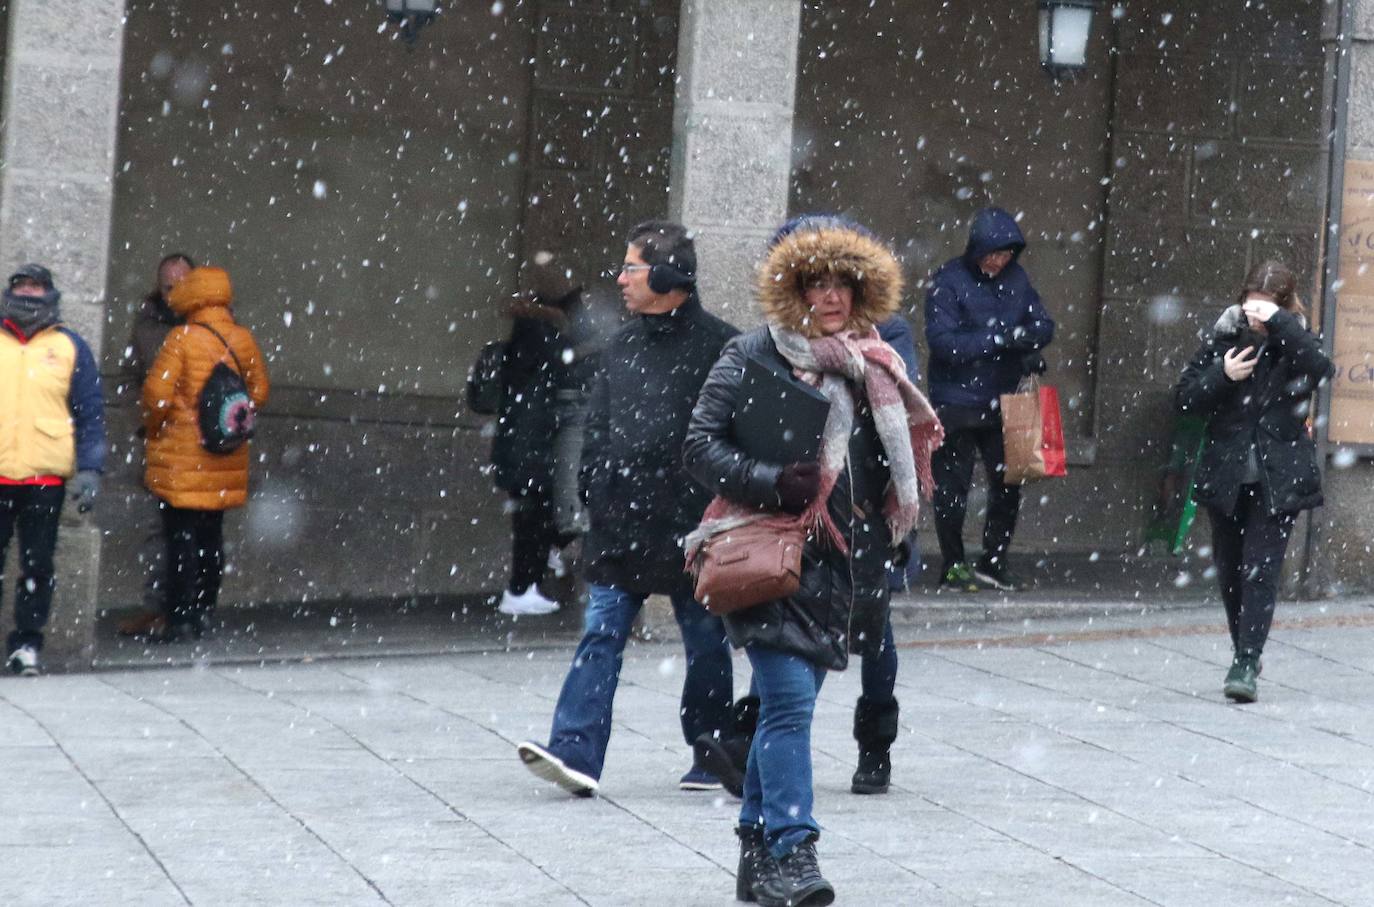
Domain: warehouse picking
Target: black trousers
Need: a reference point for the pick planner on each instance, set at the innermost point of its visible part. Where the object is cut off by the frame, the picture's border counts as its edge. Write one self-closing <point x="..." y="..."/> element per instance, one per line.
<point x="34" y="510"/>
<point x="1248" y="546"/>
<point x="969" y="436"/>
<point x="195" y="562"/>
<point x="534" y="530"/>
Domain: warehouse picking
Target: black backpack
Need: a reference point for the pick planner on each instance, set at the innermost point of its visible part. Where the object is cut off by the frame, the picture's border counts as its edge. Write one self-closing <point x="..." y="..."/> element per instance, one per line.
<point x="227" y="415"/>
<point x="484" y="380"/>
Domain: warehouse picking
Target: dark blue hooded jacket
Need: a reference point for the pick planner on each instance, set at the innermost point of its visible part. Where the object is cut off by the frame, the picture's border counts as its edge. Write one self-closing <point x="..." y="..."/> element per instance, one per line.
<point x="980" y="328"/>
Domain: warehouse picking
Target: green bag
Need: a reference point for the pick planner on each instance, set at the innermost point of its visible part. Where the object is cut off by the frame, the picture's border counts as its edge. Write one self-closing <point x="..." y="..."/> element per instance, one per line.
<point x="1174" y="509"/>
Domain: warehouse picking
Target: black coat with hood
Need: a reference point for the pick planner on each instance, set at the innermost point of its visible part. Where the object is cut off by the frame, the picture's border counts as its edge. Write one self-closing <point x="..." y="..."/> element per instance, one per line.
<point x="842" y="604"/>
<point x="980" y="329"/>
<point x="1266" y="412"/>
<point x="638" y="493"/>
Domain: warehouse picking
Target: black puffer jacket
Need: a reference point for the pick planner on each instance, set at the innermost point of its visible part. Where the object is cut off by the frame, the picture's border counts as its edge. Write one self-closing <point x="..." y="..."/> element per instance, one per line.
<point x="843" y="601"/>
<point x="640" y="498"/>
<point x="1268" y="411"/>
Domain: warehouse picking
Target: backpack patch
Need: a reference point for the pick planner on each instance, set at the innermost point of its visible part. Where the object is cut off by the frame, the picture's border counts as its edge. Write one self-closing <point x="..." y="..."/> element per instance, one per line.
<point x="227" y="414"/>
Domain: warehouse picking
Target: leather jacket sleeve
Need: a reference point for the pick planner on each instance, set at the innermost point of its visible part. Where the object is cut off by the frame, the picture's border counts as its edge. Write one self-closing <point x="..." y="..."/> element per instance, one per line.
<point x="710" y="454"/>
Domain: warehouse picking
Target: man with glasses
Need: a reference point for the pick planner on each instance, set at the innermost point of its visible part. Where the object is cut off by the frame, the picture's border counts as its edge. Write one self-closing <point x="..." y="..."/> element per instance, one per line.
<point x="52" y="441"/>
<point x="642" y="502"/>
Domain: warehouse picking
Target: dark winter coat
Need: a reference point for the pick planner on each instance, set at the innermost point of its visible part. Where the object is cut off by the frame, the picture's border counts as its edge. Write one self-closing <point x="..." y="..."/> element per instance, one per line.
<point x="896" y="333"/>
<point x="980" y="329"/>
<point x="842" y="604"/>
<point x="1266" y="412"/>
<point x="639" y="496"/>
<point x="532" y="372"/>
<point x="154" y="321"/>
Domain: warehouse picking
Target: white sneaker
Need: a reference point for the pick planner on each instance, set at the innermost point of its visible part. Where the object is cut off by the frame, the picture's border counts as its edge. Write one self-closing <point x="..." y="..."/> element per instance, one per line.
<point x="546" y="765"/>
<point x="528" y="602"/>
<point x="556" y="563"/>
<point x="24" y="661"/>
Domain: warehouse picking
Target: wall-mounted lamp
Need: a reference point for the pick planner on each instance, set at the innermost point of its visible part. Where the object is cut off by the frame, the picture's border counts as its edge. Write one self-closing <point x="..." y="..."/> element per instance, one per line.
<point x="411" y="15"/>
<point x="1064" y="29"/>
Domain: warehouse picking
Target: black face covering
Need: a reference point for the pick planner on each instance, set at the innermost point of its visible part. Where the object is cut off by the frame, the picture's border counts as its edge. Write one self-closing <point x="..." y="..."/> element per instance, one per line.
<point x="30" y="313"/>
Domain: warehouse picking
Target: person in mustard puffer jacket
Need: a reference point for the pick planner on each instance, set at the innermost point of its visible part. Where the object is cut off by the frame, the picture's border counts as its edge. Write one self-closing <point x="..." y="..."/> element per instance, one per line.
<point x="195" y="486"/>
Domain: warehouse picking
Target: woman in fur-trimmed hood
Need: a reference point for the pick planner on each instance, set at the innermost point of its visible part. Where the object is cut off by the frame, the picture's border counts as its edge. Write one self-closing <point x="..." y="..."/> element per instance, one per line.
<point x="823" y="287"/>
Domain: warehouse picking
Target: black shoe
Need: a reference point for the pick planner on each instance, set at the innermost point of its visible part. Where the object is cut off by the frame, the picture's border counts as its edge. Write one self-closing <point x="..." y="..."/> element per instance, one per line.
<point x="1240" y="683"/>
<point x="802" y="883"/>
<point x="757" y="879"/>
<point x="724" y="757"/>
<point x="727" y="755"/>
<point x="998" y="576"/>
<point x="874" y="773"/>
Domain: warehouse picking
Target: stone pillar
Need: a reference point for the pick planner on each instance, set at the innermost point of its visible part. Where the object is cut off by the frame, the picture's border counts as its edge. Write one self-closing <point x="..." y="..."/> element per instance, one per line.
<point x="732" y="139"/>
<point x="61" y="110"/>
<point x="1342" y="556"/>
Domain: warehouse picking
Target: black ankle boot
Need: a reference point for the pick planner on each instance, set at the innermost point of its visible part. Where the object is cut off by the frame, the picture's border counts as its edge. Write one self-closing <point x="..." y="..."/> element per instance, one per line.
<point x="875" y="728"/>
<point x="802" y="883"/>
<point x="726" y="755"/>
<point x="874" y="774"/>
<point x="757" y="878"/>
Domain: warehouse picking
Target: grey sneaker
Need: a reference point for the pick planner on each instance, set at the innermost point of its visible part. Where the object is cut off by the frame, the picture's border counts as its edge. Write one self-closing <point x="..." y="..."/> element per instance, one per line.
<point x="998" y="576"/>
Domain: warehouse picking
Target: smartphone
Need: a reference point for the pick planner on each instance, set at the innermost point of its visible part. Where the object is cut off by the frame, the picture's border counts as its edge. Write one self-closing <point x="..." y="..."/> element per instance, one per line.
<point x="1250" y="337"/>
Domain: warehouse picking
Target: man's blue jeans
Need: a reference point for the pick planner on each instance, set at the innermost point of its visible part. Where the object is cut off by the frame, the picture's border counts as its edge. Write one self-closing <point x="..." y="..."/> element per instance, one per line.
<point x="582" y="718"/>
<point x="777" y="782"/>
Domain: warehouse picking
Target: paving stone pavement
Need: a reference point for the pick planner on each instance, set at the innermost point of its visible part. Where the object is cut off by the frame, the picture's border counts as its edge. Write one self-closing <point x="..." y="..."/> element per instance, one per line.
<point x="1054" y="762"/>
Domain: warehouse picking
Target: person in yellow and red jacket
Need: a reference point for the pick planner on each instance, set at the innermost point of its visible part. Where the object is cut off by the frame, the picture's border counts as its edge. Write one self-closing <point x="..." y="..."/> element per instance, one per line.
<point x="52" y="439"/>
<point x="193" y="485"/>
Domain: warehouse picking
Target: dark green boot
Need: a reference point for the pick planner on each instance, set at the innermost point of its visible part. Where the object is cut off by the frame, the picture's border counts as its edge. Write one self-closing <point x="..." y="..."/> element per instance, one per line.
<point x="1240" y="683"/>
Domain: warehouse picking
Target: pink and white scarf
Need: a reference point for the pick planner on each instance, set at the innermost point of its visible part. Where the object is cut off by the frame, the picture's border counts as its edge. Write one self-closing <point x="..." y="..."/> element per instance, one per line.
<point x="839" y="366"/>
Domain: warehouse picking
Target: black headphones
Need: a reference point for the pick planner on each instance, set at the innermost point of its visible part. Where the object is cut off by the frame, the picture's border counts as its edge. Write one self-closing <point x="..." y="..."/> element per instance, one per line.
<point x="667" y="278"/>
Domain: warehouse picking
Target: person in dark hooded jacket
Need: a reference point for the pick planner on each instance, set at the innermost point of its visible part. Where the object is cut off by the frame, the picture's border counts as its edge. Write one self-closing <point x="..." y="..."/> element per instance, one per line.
<point x="824" y="287"/>
<point x="1252" y="380"/>
<point x="985" y="326"/>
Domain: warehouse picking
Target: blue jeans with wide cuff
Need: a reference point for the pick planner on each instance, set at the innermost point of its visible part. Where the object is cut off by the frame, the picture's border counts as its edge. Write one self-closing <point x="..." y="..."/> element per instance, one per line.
<point x="777" y="783"/>
<point x="582" y="718"/>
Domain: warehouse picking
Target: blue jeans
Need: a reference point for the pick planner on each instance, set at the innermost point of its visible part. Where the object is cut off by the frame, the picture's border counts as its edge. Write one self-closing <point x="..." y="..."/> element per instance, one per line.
<point x="777" y="782"/>
<point x="582" y="718"/>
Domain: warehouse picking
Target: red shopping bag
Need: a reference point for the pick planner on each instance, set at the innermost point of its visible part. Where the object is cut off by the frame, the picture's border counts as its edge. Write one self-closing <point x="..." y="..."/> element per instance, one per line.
<point x="1032" y="433"/>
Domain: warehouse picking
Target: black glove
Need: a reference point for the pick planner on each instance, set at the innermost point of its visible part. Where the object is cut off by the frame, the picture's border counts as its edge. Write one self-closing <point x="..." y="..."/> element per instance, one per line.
<point x="1020" y="340"/>
<point x="797" y="486"/>
<point x="1033" y="363"/>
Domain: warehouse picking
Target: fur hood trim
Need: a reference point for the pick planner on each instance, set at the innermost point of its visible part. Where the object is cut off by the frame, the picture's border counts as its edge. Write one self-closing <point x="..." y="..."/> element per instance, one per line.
<point x="847" y="251"/>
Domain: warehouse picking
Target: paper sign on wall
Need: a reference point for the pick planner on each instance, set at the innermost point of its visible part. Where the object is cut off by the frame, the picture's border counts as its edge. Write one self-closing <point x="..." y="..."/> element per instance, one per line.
<point x="1352" y="392"/>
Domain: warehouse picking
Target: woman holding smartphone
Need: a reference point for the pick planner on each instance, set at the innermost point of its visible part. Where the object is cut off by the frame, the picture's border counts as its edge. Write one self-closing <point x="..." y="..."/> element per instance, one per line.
<point x="1253" y="381"/>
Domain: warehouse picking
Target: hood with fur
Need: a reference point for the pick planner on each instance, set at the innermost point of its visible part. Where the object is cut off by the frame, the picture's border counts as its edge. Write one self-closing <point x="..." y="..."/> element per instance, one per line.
<point x="813" y="246"/>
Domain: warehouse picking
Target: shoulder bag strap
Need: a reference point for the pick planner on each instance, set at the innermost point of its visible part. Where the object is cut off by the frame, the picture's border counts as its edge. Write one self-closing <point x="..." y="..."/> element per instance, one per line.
<point x="221" y="339"/>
